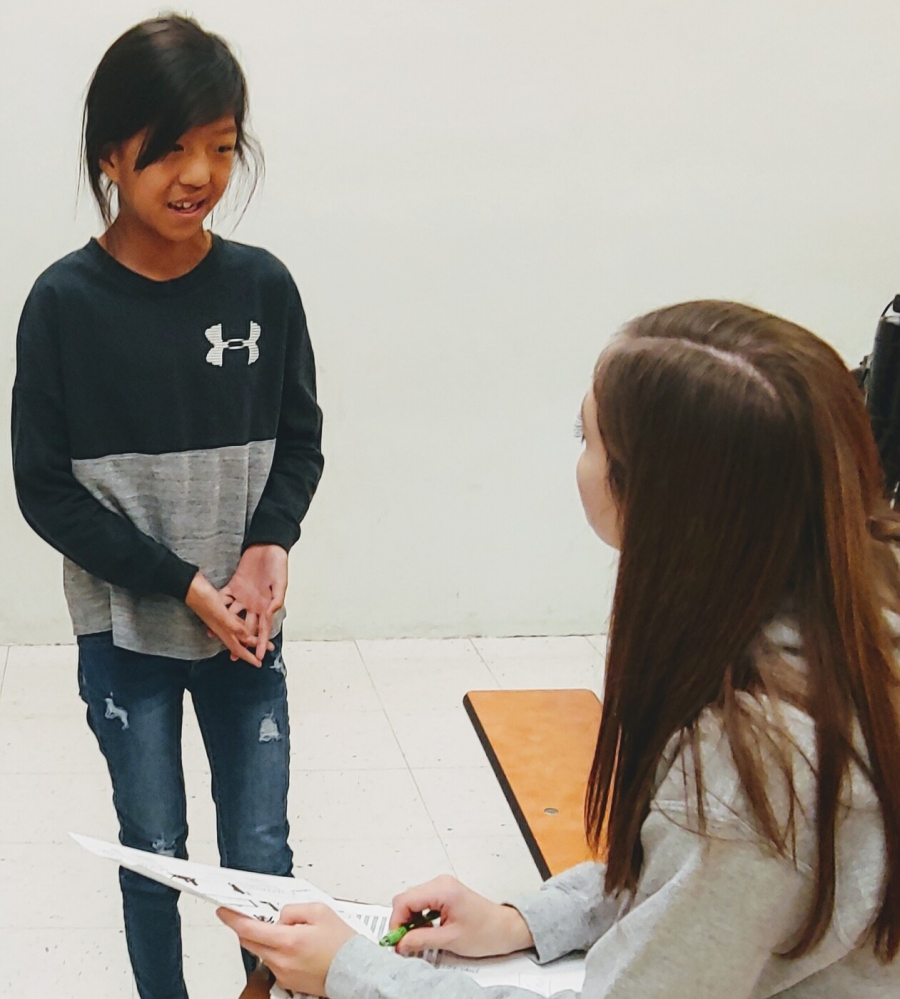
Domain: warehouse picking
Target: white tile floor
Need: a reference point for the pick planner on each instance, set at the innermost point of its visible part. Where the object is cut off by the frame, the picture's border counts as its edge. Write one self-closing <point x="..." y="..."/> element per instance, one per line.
<point x="389" y="786"/>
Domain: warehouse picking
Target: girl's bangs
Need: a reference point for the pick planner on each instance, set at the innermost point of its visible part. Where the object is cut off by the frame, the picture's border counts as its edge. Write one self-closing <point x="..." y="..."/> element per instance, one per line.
<point x="199" y="99"/>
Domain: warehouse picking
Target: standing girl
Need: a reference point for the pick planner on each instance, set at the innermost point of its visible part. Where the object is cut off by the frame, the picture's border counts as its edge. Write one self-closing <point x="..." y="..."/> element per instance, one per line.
<point x="746" y="773"/>
<point x="167" y="440"/>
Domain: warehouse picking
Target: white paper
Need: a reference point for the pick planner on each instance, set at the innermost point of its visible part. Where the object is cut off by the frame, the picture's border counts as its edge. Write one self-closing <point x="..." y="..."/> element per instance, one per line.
<point x="522" y="970"/>
<point x="262" y="896"/>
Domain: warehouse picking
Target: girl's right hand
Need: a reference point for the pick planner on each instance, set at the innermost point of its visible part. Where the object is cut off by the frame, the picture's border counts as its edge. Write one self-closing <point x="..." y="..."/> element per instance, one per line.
<point x="471" y="925"/>
<point x="209" y="605"/>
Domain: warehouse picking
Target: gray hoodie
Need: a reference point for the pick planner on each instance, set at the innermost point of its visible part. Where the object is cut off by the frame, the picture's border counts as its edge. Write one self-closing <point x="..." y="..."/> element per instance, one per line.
<point x="711" y="915"/>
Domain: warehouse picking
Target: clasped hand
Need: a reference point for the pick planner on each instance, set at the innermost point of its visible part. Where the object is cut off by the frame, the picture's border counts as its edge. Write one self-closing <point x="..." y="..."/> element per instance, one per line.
<point x="240" y="614"/>
<point x="300" y="947"/>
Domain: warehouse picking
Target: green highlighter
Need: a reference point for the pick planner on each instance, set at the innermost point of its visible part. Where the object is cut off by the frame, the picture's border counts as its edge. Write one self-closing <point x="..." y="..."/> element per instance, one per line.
<point x="419" y="919"/>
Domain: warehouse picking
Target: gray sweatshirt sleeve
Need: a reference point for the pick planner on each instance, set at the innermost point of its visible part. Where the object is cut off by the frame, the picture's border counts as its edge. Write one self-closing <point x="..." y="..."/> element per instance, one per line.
<point x="707" y="918"/>
<point x="570" y="911"/>
<point x="363" y="970"/>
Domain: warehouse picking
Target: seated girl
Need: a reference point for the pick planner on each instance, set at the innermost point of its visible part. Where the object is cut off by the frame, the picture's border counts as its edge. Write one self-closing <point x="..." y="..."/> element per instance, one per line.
<point x="747" y="772"/>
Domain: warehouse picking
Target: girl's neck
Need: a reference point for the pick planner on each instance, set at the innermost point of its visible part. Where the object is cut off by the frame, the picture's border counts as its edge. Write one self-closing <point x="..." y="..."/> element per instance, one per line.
<point x="147" y="253"/>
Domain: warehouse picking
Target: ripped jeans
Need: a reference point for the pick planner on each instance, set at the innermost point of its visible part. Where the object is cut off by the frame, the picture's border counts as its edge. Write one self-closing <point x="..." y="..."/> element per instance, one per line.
<point x="134" y="708"/>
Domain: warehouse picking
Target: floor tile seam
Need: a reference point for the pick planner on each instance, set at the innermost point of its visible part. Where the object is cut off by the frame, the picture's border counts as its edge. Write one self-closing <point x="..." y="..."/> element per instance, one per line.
<point x="390" y="722"/>
<point x="466" y="653"/>
<point x="353" y="770"/>
<point x="318" y="712"/>
<point x="480" y="656"/>
<point x="434" y="826"/>
<point x="295" y="771"/>
<point x="353" y="839"/>
<point x="368" y="672"/>
<point x="387" y="714"/>
<point x="444" y="668"/>
<point x="444" y="770"/>
<point x="57" y="927"/>
<point x="63" y="840"/>
<point x="496" y="678"/>
<point x="359" y="654"/>
<point x="19" y="772"/>
<point x="487" y="665"/>
<point x="514" y="836"/>
<point x="479" y="767"/>
<point x="450" y="840"/>
<point x="585" y="638"/>
<point x="21" y="714"/>
<point x="3" y="671"/>
<point x="547" y="667"/>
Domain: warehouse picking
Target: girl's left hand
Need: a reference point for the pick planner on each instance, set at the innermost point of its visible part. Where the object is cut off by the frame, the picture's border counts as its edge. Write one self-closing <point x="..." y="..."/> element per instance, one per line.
<point x="257" y="589"/>
<point x="299" y="948"/>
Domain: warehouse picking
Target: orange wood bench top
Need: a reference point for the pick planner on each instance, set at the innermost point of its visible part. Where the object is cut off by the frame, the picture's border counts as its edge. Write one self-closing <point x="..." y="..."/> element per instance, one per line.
<point x="541" y="745"/>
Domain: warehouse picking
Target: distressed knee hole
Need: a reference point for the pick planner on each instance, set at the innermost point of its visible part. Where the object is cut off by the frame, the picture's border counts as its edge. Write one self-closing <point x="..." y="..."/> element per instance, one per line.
<point x="268" y="729"/>
<point x="113" y="712"/>
<point x="164" y="847"/>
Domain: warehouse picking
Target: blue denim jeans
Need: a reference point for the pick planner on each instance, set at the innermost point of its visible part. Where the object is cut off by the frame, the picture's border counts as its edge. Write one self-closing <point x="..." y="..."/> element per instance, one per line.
<point x="134" y="708"/>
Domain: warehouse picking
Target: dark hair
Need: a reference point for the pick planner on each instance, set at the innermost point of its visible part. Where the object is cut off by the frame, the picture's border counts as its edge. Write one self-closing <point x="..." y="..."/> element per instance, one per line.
<point x="748" y="485"/>
<point x="166" y="75"/>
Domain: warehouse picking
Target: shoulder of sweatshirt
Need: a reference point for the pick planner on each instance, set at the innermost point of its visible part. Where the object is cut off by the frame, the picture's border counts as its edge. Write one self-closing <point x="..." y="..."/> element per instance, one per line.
<point x="238" y="263"/>
<point x="241" y="259"/>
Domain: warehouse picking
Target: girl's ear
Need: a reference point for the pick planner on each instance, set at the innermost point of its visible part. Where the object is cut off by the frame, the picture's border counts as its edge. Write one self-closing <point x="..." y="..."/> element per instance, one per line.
<point x="111" y="164"/>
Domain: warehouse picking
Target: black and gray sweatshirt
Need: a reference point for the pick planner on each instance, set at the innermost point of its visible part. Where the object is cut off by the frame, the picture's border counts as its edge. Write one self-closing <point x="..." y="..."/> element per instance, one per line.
<point x="161" y="427"/>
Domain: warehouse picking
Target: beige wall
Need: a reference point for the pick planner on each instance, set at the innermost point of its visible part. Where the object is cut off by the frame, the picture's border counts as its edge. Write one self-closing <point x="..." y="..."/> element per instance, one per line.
<point x="472" y="194"/>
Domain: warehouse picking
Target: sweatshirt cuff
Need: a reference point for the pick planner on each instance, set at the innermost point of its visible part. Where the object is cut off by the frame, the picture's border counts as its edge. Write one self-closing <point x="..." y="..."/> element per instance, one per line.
<point x="172" y="576"/>
<point x="270" y="529"/>
<point x="564" y="914"/>
<point x="541" y="923"/>
<point x="355" y="966"/>
<point x="548" y="915"/>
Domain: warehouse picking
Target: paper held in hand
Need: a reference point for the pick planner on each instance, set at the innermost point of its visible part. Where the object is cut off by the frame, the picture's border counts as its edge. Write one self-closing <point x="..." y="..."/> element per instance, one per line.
<point x="263" y="896"/>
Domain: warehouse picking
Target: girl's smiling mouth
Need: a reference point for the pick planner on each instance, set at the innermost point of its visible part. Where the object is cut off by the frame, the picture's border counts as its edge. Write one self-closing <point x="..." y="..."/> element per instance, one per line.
<point x="187" y="208"/>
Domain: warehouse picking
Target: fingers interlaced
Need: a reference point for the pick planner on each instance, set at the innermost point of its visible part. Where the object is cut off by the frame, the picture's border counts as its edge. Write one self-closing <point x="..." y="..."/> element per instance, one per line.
<point x="262" y="643"/>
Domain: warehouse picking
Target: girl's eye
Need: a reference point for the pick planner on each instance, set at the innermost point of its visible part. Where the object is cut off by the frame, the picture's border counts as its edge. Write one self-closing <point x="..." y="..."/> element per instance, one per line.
<point x="579" y="428"/>
<point x="226" y="149"/>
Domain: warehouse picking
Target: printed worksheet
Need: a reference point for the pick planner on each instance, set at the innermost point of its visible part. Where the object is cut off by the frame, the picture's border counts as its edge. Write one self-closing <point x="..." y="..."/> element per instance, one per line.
<point x="262" y="896"/>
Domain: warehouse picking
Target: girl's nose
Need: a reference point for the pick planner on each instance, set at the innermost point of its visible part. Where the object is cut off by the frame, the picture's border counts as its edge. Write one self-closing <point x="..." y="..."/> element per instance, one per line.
<point x="196" y="171"/>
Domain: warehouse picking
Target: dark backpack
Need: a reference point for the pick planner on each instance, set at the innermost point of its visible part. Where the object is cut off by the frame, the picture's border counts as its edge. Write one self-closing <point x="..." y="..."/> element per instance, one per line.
<point x="879" y="378"/>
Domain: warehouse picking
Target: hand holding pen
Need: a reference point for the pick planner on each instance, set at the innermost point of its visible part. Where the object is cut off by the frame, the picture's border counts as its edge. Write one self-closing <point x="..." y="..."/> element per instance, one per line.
<point x="417" y="921"/>
<point x="471" y="925"/>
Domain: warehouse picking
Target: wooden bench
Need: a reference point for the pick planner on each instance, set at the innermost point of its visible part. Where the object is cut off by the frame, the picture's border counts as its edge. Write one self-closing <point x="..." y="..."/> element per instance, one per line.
<point x="541" y="745"/>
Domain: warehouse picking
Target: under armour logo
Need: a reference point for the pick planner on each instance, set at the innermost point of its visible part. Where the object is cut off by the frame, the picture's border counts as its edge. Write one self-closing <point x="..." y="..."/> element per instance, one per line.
<point x="219" y="346"/>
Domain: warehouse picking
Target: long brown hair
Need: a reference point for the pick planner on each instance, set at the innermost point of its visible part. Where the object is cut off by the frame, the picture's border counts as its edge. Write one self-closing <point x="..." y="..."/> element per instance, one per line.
<point x="748" y="486"/>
